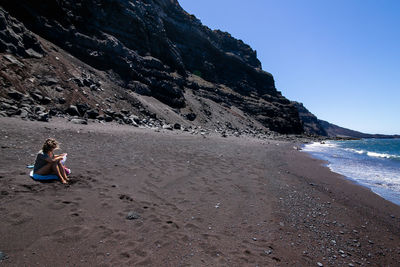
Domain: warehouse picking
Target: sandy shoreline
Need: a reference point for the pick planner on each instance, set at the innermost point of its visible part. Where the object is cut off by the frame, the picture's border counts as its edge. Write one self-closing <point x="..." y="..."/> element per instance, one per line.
<point x="200" y="201"/>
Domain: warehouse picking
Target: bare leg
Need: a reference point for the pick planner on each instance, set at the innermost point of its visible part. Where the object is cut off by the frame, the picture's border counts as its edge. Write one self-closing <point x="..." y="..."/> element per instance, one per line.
<point x="62" y="170"/>
<point x="56" y="170"/>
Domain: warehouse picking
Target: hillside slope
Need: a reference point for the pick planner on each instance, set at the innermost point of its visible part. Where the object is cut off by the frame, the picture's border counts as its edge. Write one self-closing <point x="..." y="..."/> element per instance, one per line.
<point x="146" y="57"/>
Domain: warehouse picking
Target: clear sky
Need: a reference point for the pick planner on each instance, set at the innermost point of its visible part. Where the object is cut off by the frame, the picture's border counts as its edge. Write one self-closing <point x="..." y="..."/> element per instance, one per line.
<point x="340" y="58"/>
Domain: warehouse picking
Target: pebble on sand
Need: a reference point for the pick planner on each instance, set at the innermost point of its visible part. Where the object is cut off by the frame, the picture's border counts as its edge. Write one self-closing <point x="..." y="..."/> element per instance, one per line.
<point x="3" y="256"/>
<point x="132" y="216"/>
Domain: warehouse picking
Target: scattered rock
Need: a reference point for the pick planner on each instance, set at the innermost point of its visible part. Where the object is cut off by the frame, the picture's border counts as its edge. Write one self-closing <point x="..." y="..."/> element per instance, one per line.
<point x="15" y="94"/>
<point x="132" y="216"/>
<point x="37" y="95"/>
<point x="46" y="100"/>
<point x="3" y="256"/>
<point x="79" y="121"/>
<point x="167" y="127"/>
<point x="108" y="118"/>
<point x="319" y="264"/>
<point x="32" y="53"/>
<point x="48" y="81"/>
<point x="82" y="108"/>
<point x="13" y="60"/>
<point x="39" y="109"/>
<point x="23" y="113"/>
<point x="92" y="113"/>
<point x="42" y="116"/>
<point x="72" y="110"/>
<point x="191" y="116"/>
<point x="177" y="126"/>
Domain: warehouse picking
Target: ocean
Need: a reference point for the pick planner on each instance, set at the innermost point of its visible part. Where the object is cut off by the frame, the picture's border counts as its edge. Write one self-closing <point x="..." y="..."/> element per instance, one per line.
<point x="374" y="163"/>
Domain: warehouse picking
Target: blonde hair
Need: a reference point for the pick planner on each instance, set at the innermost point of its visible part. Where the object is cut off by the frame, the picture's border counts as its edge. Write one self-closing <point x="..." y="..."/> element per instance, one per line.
<point x="49" y="145"/>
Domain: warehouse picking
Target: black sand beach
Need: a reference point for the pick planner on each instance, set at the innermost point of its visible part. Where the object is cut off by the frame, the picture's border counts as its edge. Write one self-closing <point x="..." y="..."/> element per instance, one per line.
<point x="192" y="201"/>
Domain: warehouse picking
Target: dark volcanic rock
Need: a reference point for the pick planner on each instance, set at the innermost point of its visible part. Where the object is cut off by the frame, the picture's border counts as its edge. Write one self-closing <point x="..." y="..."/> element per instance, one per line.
<point x="153" y="47"/>
<point x="82" y="108"/>
<point x="15" y="95"/>
<point x="79" y="121"/>
<point x="310" y="122"/>
<point x="132" y="215"/>
<point x="61" y="100"/>
<point x="92" y="113"/>
<point x="3" y="256"/>
<point x="191" y="116"/>
<point x="72" y="110"/>
<point x="16" y="39"/>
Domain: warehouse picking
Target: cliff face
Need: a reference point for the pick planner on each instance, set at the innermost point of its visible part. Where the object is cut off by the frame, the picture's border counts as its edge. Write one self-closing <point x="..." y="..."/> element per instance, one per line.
<point x="153" y="48"/>
<point x="311" y="124"/>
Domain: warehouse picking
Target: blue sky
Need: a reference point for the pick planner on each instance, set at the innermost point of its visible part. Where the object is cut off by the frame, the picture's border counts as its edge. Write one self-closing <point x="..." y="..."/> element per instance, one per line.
<point x="340" y="58"/>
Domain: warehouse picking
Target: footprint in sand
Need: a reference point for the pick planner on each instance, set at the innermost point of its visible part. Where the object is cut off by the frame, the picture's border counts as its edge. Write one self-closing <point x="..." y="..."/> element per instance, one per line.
<point x="125" y="198"/>
<point x="18" y="218"/>
<point x="72" y="234"/>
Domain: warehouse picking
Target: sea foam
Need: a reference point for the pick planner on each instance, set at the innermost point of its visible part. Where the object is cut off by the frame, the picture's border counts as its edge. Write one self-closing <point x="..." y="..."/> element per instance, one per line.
<point x="371" y="163"/>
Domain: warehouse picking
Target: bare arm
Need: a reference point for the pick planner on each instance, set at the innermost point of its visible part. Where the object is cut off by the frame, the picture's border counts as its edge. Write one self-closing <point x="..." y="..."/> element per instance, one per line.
<point x="55" y="159"/>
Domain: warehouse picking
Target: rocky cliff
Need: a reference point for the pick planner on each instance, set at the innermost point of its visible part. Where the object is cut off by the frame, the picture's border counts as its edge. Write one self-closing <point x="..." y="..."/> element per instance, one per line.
<point x="146" y="57"/>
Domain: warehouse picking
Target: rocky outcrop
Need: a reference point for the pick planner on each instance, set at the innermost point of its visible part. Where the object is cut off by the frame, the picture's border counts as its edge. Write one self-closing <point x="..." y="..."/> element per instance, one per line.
<point x="152" y="48"/>
<point x="311" y="124"/>
<point x="16" y="39"/>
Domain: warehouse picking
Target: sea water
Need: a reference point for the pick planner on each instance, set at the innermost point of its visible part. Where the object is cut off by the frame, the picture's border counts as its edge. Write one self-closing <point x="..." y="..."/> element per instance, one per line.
<point x="374" y="163"/>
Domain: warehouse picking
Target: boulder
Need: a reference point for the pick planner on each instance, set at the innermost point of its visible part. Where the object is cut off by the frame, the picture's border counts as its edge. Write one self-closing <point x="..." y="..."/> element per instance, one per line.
<point x="135" y="118"/>
<point x="82" y="108"/>
<point x="92" y="113"/>
<point x="43" y="116"/>
<point x="15" y="94"/>
<point x="37" y="95"/>
<point x="23" y="113"/>
<point x="39" y="109"/>
<point x="46" y="100"/>
<point x="48" y="81"/>
<point x="108" y="118"/>
<point x="132" y="215"/>
<point x="167" y="127"/>
<point x="72" y="110"/>
<point x="191" y="116"/>
<point x="79" y="121"/>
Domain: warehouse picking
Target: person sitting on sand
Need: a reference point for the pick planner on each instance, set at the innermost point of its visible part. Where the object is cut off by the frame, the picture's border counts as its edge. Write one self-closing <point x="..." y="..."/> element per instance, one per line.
<point x="48" y="163"/>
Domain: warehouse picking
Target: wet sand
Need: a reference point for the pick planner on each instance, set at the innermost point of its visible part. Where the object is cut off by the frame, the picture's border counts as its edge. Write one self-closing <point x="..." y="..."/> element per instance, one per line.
<point x="196" y="201"/>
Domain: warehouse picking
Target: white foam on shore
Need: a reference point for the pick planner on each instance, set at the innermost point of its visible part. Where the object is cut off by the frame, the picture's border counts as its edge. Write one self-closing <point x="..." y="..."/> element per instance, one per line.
<point x="382" y="155"/>
<point x="356" y="151"/>
<point x="318" y="146"/>
<point x="359" y="165"/>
